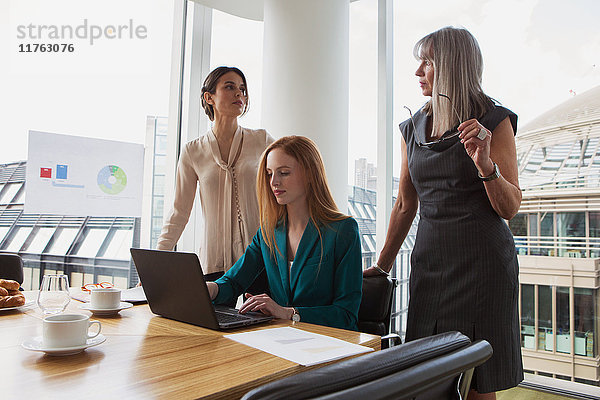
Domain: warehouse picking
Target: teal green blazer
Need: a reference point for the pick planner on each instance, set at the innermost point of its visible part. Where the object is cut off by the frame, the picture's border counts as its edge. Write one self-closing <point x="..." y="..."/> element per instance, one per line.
<point x="325" y="285"/>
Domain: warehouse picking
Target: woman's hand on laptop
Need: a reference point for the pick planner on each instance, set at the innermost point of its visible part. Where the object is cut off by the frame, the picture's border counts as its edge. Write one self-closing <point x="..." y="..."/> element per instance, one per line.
<point x="213" y="289"/>
<point x="266" y="305"/>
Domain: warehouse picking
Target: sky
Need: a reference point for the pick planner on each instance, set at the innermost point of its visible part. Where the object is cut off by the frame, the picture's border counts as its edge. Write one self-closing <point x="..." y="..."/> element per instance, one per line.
<point x="104" y="90"/>
<point x="537" y="53"/>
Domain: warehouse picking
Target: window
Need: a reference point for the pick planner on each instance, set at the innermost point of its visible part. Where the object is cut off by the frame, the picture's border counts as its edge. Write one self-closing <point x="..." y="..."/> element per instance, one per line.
<point x="160" y="131"/>
<point x="159" y="183"/>
<point x="157" y="223"/>
<point x="547" y="234"/>
<point x="563" y="324"/>
<point x="19" y="197"/>
<point x="586" y="317"/>
<point x="518" y="226"/>
<point x="119" y="245"/>
<point x="594" y="234"/>
<point x="8" y="192"/>
<point x="62" y="240"/>
<point x="362" y="175"/>
<point x="40" y="240"/>
<point x="569" y="226"/>
<point x="534" y="240"/>
<point x="18" y="239"/>
<point x="527" y="317"/>
<point x="97" y="98"/>
<point x="545" y="340"/>
<point x="3" y="231"/>
<point x="91" y="243"/>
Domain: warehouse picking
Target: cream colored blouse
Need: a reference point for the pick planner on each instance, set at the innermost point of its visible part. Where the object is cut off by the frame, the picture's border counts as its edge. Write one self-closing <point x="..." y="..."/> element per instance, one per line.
<point x="227" y="193"/>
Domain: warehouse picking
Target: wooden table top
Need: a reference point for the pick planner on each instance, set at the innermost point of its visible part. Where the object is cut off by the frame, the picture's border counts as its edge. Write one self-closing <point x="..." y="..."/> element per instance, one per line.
<point x="144" y="356"/>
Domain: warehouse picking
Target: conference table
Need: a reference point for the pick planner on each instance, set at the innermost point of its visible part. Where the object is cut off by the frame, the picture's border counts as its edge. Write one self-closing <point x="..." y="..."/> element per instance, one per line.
<point x="144" y="356"/>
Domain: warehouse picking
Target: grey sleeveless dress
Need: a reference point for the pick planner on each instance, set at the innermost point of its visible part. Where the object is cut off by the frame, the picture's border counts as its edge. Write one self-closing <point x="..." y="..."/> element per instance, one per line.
<point x="464" y="272"/>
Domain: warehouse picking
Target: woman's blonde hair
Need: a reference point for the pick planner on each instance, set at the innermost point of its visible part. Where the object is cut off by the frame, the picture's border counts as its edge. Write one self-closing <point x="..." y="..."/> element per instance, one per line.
<point x="457" y="69"/>
<point x="321" y="206"/>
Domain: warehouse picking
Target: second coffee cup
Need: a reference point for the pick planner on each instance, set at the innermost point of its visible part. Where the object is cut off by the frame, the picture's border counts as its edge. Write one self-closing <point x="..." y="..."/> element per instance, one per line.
<point x="105" y="298"/>
<point x="67" y="330"/>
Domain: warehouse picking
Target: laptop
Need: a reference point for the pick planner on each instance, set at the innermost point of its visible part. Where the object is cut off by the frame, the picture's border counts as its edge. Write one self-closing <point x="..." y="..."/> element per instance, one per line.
<point x="175" y="288"/>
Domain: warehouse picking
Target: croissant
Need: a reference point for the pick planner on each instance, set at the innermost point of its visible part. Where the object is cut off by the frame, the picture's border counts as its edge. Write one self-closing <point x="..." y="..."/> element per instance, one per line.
<point x="11" y="301"/>
<point x="9" y="284"/>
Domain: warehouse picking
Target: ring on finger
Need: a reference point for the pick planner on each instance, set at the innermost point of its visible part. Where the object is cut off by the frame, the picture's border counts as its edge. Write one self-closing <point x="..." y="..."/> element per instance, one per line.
<point x="482" y="134"/>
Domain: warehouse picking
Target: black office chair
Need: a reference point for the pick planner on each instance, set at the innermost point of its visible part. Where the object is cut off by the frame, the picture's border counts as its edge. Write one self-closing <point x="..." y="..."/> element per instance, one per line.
<point x="436" y="367"/>
<point x="11" y="267"/>
<point x="376" y="309"/>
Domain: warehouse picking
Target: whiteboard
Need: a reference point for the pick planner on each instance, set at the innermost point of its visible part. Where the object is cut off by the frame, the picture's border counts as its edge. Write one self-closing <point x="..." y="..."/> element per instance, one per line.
<point x="73" y="175"/>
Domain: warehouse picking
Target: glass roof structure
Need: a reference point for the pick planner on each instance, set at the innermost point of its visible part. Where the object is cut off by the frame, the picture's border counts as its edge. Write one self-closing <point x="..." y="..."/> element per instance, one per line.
<point x="87" y="248"/>
<point x="560" y="150"/>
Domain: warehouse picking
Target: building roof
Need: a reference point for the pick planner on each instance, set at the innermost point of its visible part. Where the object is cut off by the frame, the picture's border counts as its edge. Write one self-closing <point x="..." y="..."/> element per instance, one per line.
<point x="33" y="235"/>
<point x="580" y="108"/>
<point x="559" y="151"/>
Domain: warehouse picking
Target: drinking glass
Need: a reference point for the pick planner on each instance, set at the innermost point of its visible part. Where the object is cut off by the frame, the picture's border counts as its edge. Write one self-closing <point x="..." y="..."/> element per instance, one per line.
<point x="54" y="294"/>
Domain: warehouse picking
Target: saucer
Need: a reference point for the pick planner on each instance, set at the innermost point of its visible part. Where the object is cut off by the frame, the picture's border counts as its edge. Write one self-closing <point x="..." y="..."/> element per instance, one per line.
<point x="35" y="344"/>
<point x="24" y="306"/>
<point x="106" y="311"/>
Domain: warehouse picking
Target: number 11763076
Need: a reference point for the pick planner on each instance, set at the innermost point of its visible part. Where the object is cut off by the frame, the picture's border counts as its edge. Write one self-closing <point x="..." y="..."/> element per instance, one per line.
<point x="46" y="48"/>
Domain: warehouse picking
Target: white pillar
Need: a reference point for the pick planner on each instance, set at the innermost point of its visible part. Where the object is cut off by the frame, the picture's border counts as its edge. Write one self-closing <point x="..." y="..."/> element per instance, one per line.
<point x="385" y="115"/>
<point x="305" y="79"/>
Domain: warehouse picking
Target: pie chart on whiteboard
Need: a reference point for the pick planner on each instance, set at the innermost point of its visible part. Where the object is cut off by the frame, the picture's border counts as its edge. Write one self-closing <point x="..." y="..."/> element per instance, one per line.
<point x="112" y="179"/>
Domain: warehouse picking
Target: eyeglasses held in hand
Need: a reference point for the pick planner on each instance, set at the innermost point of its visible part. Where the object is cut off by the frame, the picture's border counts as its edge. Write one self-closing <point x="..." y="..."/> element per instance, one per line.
<point x="447" y="135"/>
<point x="102" y="285"/>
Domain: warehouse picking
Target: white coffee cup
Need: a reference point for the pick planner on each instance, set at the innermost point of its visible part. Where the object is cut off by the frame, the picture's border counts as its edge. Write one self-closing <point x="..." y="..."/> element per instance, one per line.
<point x="105" y="298"/>
<point x="67" y="330"/>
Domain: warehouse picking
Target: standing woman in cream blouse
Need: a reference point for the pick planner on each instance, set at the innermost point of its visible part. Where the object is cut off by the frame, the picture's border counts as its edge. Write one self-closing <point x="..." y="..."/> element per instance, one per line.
<point x="223" y="164"/>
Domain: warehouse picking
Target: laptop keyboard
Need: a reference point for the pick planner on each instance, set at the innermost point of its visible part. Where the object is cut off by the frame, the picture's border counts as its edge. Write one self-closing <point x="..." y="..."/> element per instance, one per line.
<point x="224" y="318"/>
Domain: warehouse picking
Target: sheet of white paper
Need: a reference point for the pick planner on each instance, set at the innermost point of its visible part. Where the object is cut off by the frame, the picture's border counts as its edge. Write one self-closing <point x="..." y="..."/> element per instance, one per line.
<point x="134" y="295"/>
<point x="298" y="346"/>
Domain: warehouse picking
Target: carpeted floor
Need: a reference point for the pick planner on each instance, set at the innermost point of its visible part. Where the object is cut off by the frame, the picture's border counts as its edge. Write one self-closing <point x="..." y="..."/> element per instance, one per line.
<point x="527" y="394"/>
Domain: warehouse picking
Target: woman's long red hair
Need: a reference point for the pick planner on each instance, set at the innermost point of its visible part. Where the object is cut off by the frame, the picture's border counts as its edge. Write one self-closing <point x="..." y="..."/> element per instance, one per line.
<point x="321" y="206"/>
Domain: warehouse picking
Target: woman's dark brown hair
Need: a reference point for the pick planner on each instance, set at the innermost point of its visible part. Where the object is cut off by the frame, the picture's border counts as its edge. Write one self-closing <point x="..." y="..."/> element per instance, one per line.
<point x="210" y="86"/>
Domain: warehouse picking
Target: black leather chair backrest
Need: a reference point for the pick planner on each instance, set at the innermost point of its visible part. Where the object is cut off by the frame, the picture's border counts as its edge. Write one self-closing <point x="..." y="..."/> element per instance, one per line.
<point x="438" y="378"/>
<point x="11" y="267"/>
<point x="376" y="305"/>
<point x="428" y="367"/>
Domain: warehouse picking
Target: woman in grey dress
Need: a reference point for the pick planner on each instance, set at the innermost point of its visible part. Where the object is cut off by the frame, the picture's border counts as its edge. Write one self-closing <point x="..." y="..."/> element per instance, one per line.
<point x="459" y="165"/>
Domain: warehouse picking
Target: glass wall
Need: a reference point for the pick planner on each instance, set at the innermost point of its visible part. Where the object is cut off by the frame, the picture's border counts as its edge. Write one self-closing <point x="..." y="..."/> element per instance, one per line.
<point x="82" y="94"/>
<point x="572" y="237"/>
<point x="556" y="316"/>
<point x="362" y="165"/>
